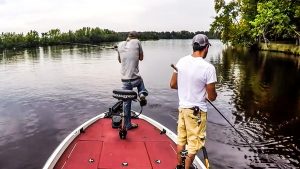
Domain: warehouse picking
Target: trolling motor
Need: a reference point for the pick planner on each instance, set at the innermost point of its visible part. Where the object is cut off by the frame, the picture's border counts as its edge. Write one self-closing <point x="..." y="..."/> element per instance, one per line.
<point x="117" y="113"/>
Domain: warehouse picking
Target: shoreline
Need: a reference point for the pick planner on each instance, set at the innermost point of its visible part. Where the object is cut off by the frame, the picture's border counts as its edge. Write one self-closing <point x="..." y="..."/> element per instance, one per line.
<point x="278" y="47"/>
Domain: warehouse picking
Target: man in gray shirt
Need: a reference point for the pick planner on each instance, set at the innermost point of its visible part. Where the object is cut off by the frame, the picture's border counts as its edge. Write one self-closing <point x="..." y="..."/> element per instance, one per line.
<point x="130" y="52"/>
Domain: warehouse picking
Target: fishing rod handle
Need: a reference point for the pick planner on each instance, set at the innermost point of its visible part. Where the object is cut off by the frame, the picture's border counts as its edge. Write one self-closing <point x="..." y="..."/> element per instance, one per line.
<point x="174" y="67"/>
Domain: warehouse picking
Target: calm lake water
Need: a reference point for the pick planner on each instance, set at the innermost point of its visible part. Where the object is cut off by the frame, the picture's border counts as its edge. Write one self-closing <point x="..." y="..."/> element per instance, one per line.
<point x="46" y="93"/>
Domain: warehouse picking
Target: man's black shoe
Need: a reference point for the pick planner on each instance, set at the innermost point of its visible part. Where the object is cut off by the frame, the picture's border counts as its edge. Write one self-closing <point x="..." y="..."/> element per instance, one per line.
<point x="143" y="101"/>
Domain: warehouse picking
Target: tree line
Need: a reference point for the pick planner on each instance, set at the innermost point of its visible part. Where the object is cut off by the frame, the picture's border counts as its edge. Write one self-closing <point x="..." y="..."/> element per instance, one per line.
<point x="85" y="35"/>
<point x="249" y="22"/>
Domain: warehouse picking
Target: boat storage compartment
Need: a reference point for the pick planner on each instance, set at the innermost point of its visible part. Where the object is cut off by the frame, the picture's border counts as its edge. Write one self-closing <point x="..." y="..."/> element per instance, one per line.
<point x="85" y="154"/>
<point x="124" y="154"/>
<point x="162" y="154"/>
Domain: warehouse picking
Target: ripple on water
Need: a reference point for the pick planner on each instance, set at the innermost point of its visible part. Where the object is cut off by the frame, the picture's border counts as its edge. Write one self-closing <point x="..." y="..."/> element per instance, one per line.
<point x="30" y="123"/>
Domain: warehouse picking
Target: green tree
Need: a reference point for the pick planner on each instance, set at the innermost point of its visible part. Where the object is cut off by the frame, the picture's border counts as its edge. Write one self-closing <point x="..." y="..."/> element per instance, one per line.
<point x="54" y="37"/>
<point x="226" y="22"/>
<point x="32" y="39"/>
<point x="1" y="43"/>
<point x="82" y="35"/>
<point x="44" y="40"/>
<point x="273" y="20"/>
<point x="13" y="40"/>
<point x="295" y="18"/>
<point x="245" y="22"/>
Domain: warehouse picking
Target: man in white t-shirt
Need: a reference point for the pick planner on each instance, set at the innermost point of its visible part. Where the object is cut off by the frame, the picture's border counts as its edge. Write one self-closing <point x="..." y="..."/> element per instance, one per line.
<point x="195" y="80"/>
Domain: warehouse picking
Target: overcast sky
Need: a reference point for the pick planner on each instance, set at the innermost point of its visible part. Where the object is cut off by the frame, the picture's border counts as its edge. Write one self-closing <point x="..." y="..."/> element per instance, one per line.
<point x="118" y="15"/>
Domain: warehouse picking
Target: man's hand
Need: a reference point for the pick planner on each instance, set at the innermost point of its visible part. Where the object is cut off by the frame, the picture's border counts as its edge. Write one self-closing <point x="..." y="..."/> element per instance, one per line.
<point x="173" y="82"/>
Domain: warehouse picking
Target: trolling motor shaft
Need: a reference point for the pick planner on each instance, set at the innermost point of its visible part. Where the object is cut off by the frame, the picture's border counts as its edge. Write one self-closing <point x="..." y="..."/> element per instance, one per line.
<point x="122" y="130"/>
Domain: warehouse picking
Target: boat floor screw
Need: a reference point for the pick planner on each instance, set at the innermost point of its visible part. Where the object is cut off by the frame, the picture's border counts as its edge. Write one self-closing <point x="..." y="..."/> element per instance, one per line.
<point x="125" y="164"/>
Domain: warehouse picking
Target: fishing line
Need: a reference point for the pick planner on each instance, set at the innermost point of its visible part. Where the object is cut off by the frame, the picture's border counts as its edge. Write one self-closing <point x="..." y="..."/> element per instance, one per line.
<point x="263" y="156"/>
<point x="231" y="125"/>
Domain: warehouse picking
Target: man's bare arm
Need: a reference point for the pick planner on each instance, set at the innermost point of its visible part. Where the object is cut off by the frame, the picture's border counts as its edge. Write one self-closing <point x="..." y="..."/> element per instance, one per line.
<point x="211" y="91"/>
<point x="141" y="56"/>
<point x="173" y="82"/>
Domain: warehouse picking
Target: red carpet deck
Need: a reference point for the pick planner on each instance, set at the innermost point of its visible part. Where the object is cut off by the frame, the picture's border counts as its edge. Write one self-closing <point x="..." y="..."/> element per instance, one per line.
<point x="100" y="147"/>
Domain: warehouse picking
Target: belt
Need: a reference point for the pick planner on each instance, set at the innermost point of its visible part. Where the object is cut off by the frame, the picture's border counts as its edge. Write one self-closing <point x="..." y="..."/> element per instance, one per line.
<point x="195" y="109"/>
<point x="130" y="80"/>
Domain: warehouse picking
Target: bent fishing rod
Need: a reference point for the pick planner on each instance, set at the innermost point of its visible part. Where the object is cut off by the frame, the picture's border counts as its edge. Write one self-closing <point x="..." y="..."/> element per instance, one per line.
<point x="87" y="44"/>
<point x="175" y="68"/>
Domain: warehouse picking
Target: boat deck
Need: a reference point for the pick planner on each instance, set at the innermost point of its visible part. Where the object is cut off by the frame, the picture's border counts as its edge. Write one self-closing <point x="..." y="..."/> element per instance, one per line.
<point x="100" y="147"/>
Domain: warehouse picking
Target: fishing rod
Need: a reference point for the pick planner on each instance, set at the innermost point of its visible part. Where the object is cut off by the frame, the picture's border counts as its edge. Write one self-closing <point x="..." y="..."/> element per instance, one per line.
<point x="175" y="68"/>
<point x="87" y="44"/>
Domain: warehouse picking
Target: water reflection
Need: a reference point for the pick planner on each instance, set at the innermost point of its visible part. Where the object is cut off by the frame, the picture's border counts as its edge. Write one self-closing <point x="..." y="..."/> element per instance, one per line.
<point x="266" y="98"/>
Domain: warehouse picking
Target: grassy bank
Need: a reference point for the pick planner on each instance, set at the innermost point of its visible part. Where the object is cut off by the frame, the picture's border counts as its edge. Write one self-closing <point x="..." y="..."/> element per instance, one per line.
<point x="277" y="47"/>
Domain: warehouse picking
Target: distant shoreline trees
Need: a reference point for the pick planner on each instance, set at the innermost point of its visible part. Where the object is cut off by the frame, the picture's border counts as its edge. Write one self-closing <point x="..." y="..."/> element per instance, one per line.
<point x="85" y="35"/>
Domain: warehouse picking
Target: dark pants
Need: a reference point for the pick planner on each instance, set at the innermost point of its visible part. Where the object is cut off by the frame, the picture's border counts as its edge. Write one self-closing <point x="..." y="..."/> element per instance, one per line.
<point x="129" y="85"/>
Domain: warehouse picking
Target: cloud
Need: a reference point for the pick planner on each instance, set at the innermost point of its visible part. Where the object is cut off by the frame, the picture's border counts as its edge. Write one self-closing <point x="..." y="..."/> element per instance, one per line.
<point x="119" y="15"/>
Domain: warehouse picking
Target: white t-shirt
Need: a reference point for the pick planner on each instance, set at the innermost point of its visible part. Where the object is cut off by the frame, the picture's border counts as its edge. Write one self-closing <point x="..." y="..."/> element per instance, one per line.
<point x="194" y="73"/>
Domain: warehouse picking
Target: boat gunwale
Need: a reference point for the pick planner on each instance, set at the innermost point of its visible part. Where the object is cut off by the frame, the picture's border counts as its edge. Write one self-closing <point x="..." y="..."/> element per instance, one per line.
<point x="55" y="156"/>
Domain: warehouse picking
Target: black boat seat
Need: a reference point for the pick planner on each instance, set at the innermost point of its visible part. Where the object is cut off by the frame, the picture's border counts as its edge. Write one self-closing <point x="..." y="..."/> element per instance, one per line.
<point x="124" y="95"/>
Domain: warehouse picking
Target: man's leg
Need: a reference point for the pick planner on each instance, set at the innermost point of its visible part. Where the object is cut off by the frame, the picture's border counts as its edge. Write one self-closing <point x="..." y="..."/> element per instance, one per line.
<point x="179" y="150"/>
<point x="142" y="92"/>
<point x="182" y="136"/>
<point x="189" y="160"/>
<point x="141" y="87"/>
<point x="196" y="131"/>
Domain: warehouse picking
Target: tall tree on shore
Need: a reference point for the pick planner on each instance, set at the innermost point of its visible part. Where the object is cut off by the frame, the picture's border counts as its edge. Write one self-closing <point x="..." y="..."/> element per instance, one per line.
<point x="295" y="18"/>
<point x="226" y="23"/>
<point x="54" y="36"/>
<point x="273" y="20"/>
<point x="245" y="22"/>
<point x="32" y="39"/>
